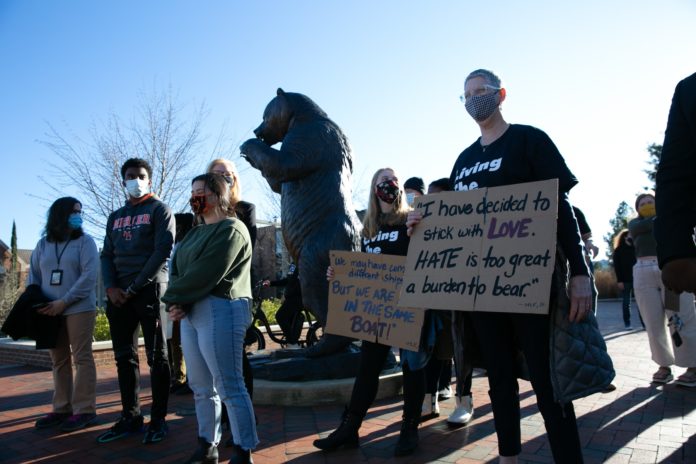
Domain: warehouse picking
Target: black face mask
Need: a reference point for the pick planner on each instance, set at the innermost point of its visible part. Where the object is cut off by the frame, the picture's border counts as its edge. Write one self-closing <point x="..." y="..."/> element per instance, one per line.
<point x="388" y="191"/>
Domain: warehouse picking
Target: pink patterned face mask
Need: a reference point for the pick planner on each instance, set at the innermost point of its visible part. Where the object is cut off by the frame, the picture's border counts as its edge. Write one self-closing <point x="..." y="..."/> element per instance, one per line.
<point x="387" y="191"/>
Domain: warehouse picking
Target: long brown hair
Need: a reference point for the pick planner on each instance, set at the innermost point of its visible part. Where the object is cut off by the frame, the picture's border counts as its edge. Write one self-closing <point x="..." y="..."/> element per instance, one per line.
<point x="374" y="218"/>
<point x="219" y="187"/>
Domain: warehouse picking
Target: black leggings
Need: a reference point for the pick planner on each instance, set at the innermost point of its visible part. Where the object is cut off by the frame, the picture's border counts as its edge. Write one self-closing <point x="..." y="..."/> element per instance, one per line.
<point x="499" y="335"/>
<point x="372" y="358"/>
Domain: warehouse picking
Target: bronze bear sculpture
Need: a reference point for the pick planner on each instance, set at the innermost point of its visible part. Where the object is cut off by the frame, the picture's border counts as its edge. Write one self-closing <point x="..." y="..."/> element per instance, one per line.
<point x="312" y="171"/>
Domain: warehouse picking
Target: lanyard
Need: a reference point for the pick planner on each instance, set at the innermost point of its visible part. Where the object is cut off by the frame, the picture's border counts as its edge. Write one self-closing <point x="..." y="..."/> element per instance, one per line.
<point x="58" y="256"/>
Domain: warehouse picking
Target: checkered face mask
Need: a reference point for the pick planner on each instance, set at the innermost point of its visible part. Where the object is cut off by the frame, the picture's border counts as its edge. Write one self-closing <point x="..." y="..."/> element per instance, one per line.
<point x="481" y="107"/>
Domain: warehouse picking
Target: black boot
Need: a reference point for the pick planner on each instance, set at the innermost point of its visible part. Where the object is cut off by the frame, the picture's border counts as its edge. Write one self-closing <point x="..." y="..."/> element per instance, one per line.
<point x="345" y="435"/>
<point x="241" y="456"/>
<point x="207" y="453"/>
<point x="408" y="437"/>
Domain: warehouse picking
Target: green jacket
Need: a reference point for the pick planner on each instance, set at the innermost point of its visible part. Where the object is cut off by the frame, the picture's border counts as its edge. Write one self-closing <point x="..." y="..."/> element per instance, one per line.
<point x="212" y="259"/>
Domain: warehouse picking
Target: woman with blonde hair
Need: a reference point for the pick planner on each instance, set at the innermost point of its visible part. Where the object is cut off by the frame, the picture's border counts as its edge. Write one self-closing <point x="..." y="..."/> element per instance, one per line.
<point x="384" y="231"/>
<point x="245" y="211"/>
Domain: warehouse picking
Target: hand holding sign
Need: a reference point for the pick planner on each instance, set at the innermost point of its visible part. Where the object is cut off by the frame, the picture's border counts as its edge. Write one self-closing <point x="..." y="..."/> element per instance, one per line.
<point x="483" y="250"/>
<point x="363" y="300"/>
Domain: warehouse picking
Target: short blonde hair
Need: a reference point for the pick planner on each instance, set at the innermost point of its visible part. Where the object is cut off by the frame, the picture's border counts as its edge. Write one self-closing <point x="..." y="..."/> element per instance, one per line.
<point x="374" y="218"/>
<point x="236" y="188"/>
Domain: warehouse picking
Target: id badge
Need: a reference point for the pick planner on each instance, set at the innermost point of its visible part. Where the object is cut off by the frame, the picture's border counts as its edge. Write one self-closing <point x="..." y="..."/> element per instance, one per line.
<point x="56" y="277"/>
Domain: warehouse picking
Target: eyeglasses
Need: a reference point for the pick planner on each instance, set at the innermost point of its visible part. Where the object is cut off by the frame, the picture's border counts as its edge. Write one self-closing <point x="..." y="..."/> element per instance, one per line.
<point x="480" y="91"/>
<point x="77" y="212"/>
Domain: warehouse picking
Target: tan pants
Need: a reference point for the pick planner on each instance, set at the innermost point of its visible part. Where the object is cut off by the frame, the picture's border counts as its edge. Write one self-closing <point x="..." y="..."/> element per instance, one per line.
<point x="649" y="291"/>
<point x="78" y="397"/>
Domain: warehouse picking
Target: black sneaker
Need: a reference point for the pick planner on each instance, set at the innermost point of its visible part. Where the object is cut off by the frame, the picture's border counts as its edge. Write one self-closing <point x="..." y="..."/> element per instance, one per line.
<point x="52" y="419"/>
<point x="124" y="427"/>
<point x="156" y="431"/>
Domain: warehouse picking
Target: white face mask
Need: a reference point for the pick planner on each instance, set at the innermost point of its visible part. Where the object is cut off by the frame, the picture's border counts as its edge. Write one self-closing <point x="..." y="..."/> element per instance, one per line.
<point x="137" y="188"/>
<point x="410" y="197"/>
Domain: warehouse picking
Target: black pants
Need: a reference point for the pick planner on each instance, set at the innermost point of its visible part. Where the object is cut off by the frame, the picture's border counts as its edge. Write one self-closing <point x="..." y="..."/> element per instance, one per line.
<point x="464" y="347"/>
<point x="290" y="319"/>
<point x="144" y="310"/>
<point x="438" y="375"/>
<point x="499" y="336"/>
<point x="372" y="358"/>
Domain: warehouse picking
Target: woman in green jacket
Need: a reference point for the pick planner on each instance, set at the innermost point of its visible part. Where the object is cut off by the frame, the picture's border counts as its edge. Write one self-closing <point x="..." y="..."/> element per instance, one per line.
<point x="210" y="292"/>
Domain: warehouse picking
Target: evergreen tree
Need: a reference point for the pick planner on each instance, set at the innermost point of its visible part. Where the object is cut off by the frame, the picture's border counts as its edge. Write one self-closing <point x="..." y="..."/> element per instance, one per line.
<point x="618" y="223"/>
<point x="654" y="152"/>
<point x="14" y="260"/>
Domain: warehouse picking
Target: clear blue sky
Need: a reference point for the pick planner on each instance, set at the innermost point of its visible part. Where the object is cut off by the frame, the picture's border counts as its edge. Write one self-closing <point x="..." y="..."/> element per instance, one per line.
<point x="597" y="76"/>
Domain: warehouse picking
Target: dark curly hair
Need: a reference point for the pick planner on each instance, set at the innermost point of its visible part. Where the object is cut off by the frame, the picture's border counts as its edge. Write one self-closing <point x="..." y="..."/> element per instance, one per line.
<point x="57" y="228"/>
<point x="136" y="163"/>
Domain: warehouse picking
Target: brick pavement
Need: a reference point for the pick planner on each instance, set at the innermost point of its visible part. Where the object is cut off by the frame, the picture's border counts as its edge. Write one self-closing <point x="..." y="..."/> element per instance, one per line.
<point x="637" y="423"/>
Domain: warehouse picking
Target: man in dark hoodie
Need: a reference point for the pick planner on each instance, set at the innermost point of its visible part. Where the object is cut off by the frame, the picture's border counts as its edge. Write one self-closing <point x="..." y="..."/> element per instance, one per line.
<point x="137" y="245"/>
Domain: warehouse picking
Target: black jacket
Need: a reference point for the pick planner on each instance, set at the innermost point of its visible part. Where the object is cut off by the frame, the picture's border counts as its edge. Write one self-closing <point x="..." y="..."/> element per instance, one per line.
<point x="676" y="178"/>
<point x="24" y="321"/>
<point x="624" y="258"/>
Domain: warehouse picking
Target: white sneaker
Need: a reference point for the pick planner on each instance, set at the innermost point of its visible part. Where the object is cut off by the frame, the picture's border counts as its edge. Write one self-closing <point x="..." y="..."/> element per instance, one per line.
<point x="463" y="412"/>
<point x="430" y="407"/>
<point x="444" y="394"/>
<point x="293" y="346"/>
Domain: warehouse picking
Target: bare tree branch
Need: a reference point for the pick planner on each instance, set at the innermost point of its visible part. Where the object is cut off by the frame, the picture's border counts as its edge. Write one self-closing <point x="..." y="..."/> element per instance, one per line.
<point x="163" y="131"/>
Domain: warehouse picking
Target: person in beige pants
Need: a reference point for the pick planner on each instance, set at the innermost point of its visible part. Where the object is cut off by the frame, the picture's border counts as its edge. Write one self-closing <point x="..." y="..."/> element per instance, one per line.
<point x="64" y="264"/>
<point x="650" y="296"/>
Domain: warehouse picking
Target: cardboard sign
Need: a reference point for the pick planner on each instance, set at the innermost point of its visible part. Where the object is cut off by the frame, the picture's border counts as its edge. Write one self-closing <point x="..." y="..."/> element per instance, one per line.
<point x="490" y="249"/>
<point x="363" y="299"/>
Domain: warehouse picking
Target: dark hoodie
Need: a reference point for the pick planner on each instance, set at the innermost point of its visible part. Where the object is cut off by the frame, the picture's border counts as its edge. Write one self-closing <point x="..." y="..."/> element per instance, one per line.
<point x="137" y="244"/>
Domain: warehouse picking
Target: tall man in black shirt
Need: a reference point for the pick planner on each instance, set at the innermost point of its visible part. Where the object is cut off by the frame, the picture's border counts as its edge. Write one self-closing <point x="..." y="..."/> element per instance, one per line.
<point x="138" y="242"/>
<point x="508" y="154"/>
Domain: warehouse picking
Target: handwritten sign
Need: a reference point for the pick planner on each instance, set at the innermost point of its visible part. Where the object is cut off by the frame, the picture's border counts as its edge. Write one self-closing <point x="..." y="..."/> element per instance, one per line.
<point x="363" y="300"/>
<point x="489" y="249"/>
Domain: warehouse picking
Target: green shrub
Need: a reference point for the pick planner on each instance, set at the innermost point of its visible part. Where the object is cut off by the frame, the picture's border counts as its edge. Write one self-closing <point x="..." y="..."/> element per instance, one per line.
<point x="270" y="307"/>
<point x="605" y="280"/>
<point x="101" y="328"/>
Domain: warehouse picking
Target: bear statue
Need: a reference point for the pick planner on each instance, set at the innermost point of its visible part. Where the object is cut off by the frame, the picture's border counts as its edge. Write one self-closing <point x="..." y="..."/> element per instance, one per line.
<point x="312" y="171"/>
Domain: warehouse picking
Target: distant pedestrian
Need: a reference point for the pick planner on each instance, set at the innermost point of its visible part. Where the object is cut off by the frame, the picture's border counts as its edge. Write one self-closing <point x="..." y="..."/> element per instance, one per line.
<point x="624" y="258"/>
<point x="650" y="296"/>
<point x="64" y="264"/>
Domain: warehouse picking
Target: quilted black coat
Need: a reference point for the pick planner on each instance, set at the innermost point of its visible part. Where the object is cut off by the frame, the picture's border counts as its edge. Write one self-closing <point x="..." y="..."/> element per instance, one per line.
<point x="580" y="363"/>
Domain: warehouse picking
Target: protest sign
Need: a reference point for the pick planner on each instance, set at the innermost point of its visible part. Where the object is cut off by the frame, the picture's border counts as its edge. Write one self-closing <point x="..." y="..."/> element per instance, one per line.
<point x="490" y="249"/>
<point x="363" y="299"/>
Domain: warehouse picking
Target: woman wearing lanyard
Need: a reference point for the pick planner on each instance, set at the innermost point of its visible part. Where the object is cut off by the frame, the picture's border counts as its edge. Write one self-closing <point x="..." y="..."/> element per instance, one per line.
<point x="64" y="264"/>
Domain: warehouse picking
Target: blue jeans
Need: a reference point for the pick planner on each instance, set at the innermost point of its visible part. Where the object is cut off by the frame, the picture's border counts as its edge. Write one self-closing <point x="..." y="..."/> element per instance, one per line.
<point x="212" y="338"/>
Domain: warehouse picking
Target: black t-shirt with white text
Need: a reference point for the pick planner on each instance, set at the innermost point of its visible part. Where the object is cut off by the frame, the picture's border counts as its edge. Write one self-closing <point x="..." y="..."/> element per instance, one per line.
<point x="524" y="154"/>
<point x="521" y="154"/>
<point x="389" y="240"/>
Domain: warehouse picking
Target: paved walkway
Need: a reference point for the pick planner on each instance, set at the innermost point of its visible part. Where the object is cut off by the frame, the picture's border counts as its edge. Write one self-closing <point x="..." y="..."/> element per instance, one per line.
<point x="637" y="423"/>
